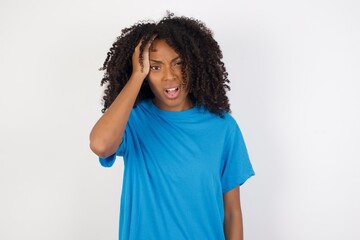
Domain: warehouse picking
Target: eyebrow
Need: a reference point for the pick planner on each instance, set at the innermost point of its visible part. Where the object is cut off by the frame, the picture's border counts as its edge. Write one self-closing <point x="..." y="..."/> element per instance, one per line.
<point x="158" y="61"/>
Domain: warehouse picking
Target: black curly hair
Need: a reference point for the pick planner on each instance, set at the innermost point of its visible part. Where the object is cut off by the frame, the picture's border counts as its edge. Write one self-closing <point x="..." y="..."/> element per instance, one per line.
<point x="202" y="65"/>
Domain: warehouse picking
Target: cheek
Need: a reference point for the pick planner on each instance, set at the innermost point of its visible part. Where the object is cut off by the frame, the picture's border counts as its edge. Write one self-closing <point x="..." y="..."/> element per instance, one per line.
<point x="151" y="79"/>
<point x="185" y="82"/>
<point x="154" y="78"/>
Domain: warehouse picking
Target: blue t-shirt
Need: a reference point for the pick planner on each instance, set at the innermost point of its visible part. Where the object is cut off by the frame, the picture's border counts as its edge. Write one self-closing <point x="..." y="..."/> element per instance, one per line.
<point x="177" y="165"/>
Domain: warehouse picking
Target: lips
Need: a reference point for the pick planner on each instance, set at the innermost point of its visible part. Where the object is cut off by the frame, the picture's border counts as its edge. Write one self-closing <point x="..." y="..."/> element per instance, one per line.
<point x="172" y="92"/>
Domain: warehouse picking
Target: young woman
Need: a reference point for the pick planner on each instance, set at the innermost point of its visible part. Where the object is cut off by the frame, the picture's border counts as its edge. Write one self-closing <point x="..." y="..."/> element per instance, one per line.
<point x="167" y="114"/>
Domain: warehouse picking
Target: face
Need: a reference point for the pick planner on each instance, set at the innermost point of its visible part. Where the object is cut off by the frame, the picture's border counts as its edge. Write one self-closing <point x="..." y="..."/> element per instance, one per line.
<point x="165" y="78"/>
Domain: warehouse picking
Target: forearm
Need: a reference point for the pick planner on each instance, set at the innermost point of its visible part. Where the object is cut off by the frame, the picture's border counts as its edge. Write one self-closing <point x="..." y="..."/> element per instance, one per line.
<point x="233" y="226"/>
<point x="107" y="133"/>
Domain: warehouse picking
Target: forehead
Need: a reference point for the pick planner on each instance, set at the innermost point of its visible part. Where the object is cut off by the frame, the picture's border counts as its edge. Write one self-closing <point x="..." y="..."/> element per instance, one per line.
<point x="160" y="48"/>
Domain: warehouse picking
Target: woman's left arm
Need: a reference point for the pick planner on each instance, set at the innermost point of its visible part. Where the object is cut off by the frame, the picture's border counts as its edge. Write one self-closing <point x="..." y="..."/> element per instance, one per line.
<point x="233" y="226"/>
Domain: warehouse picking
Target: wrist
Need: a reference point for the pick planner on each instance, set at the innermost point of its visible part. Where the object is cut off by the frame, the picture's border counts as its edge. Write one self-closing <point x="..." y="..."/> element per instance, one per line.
<point x="138" y="76"/>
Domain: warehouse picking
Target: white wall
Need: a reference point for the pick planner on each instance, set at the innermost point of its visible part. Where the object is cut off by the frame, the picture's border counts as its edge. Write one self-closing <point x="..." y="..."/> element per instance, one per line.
<point x="294" y="67"/>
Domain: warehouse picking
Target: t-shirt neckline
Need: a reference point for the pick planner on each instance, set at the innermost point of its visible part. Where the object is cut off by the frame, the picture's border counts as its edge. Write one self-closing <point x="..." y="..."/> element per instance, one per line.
<point x="167" y="113"/>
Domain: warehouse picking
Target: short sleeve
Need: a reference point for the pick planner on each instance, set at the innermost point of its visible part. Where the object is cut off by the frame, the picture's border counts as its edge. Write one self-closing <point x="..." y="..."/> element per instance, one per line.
<point x="109" y="161"/>
<point x="237" y="167"/>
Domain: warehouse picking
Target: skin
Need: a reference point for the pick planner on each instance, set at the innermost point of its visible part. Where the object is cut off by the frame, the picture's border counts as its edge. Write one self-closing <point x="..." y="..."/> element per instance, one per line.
<point x="162" y="68"/>
<point x="165" y="73"/>
<point x="233" y="225"/>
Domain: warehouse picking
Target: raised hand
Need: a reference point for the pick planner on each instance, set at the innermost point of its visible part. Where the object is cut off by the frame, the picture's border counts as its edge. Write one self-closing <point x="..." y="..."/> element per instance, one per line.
<point x="143" y="70"/>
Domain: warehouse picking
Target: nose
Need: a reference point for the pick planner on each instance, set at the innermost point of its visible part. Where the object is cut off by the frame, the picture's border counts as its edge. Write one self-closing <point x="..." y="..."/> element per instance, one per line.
<point x="169" y="74"/>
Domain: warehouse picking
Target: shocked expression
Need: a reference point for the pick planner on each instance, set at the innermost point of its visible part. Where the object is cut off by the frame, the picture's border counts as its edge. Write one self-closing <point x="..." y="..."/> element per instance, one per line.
<point x="166" y="79"/>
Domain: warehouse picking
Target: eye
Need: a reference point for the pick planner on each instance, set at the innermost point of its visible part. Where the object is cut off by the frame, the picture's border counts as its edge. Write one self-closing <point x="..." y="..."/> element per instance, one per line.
<point x="154" y="68"/>
<point x="179" y="63"/>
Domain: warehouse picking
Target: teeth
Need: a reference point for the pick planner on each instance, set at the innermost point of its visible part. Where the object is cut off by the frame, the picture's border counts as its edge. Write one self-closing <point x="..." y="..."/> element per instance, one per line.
<point x="171" y="89"/>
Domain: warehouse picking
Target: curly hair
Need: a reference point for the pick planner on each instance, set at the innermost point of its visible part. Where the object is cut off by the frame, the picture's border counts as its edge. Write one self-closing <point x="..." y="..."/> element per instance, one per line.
<point x="202" y="65"/>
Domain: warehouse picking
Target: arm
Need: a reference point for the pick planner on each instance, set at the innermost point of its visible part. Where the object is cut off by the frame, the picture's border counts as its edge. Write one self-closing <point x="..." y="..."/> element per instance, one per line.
<point x="106" y="135"/>
<point x="233" y="226"/>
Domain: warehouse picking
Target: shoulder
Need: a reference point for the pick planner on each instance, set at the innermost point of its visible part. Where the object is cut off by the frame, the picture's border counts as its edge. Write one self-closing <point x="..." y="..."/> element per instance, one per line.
<point x="229" y="121"/>
<point x="145" y="103"/>
<point x="140" y="112"/>
<point x="142" y="106"/>
<point x="229" y="118"/>
<point x="225" y="124"/>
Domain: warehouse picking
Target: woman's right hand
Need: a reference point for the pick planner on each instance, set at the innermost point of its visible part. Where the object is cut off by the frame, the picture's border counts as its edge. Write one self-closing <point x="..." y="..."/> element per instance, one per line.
<point x="139" y="70"/>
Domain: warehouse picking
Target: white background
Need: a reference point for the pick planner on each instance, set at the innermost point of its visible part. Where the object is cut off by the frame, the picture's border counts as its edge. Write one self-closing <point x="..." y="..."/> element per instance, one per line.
<point x="294" y="71"/>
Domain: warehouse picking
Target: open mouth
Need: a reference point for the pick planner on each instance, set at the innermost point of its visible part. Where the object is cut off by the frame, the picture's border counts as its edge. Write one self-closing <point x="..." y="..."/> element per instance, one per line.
<point x="172" y="92"/>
